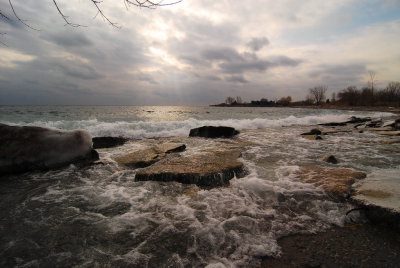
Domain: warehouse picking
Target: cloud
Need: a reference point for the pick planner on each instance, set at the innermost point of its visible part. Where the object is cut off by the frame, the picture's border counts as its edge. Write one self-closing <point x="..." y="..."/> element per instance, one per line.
<point x="77" y="69"/>
<point x="222" y="53"/>
<point x="258" y="43"/>
<point x="71" y="39"/>
<point x="236" y="79"/>
<point x="339" y="70"/>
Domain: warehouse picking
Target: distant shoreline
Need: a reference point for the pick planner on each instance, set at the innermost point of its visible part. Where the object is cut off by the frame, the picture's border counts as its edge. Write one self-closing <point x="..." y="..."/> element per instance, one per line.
<point x="390" y="109"/>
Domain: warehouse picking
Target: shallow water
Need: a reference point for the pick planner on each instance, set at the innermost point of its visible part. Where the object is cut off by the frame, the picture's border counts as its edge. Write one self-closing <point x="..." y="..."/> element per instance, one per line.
<point x="99" y="215"/>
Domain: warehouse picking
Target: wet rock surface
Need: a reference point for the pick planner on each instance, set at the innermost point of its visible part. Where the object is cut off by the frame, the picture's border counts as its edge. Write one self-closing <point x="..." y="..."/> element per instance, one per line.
<point x="330" y="159"/>
<point x="108" y="142"/>
<point x="379" y="195"/>
<point x="313" y="131"/>
<point x="149" y="156"/>
<point x="312" y="137"/>
<point x="35" y="148"/>
<point x="334" y="181"/>
<point x="213" y="132"/>
<point x="358" y="245"/>
<point x="205" y="170"/>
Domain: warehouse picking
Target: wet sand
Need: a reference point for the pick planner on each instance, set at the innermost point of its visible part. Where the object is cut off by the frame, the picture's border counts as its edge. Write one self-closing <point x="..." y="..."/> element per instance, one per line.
<point x="359" y="245"/>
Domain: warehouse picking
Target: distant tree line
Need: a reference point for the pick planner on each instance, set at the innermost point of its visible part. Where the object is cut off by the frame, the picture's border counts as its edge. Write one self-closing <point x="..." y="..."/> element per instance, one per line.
<point x="353" y="96"/>
<point x="350" y="96"/>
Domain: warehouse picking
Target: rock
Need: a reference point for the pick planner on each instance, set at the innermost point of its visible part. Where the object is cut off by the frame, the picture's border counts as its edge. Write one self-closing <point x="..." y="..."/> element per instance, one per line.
<point x="379" y="194"/>
<point x="213" y="132"/>
<point x="334" y="181"/>
<point x="333" y="124"/>
<point x="330" y="159"/>
<point x="392" y="141"/>
<point x="375" y="124"/>
<point x="388" y="133"/>
<point x="357" y="120"/>
<point x="108" y="142"/>
<point x="312" y="137"/>
<point x="395" y="125"/>
<point x="35" y="148"/>
<point x="205" y="170"/>
<point x="314" y="131"/>
<point x="149" y="156"/>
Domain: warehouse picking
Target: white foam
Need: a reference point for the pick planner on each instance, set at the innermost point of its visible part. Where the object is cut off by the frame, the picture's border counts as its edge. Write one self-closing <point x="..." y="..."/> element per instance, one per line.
<point x="149" y="129"/>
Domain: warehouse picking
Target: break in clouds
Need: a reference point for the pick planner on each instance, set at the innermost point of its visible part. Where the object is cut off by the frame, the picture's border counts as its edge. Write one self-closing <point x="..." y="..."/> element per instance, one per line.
<point x="196" y="52"/>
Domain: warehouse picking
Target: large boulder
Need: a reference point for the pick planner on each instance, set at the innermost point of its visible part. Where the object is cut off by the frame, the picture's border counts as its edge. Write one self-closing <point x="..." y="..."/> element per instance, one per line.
<point x="213" y="132"/>
<point x="205" y="170"/>
<point x="334" y="181"/>
<point x="35" y="148"/>
<point x="149" y="156"/>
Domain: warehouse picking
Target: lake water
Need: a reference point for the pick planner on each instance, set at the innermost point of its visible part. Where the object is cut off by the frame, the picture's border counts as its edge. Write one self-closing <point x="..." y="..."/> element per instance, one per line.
<point x="99" y="215"/>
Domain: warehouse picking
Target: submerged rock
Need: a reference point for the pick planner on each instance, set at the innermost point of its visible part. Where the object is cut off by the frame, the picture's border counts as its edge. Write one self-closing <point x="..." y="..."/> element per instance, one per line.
<point x="149" y="156"/>
<point x="333" y="124"/>
<point x="330" y="159"/>
<point x="108" y="142"/>
<point x="334" y="181"/>
<point x="357" y="120"/>
<point x="375" y="124"/>
<point x="205" y="170"/>
<point x="312" y="137"/>
<point x="213" y="132"/>
<point x="35" y="148"/>
<point x="314" y="131"/>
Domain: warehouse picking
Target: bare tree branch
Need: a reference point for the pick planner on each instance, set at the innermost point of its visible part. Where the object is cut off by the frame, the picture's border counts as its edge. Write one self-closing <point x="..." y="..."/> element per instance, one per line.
<point x="65" y="18"/>
<point x="23" y="22"/>
<point x="3" y="16"/>
<point x="138" y="3"/>
<point x="99" y="11"/>
<point x="318" y="93"/>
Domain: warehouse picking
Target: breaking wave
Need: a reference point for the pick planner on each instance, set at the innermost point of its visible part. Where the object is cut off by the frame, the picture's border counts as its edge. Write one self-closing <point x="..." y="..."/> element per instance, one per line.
<point x="157" y="129"/>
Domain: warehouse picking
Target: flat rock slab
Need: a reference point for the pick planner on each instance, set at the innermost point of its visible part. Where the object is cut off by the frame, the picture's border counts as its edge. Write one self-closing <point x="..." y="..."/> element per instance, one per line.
<point x="334" y="181"/>
<point x="149" y="156"/>
<point x="388" y="133"/>
<point x="205" y="170"/>
<point x="380" y="194"/>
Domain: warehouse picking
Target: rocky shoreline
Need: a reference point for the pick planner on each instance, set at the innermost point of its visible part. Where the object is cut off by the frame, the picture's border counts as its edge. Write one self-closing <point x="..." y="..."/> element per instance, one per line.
<point x="215" y="167"/>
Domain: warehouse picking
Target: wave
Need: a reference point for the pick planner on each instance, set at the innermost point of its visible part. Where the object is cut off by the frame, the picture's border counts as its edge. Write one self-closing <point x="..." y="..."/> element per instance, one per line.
<point x="157" y="129"/>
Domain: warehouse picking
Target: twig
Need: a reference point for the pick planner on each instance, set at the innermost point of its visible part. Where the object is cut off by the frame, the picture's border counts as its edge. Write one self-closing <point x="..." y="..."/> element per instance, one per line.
<point x="65" y="18"/>
<point x="15" y="14"/>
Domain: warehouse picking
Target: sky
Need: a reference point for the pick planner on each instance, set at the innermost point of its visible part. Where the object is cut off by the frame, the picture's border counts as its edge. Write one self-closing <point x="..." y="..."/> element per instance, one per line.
<point x="196" y="52"/>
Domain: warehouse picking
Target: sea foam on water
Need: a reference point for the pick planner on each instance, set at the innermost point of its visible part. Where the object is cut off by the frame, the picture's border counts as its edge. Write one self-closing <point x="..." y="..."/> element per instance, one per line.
<point x="101" y="215"/>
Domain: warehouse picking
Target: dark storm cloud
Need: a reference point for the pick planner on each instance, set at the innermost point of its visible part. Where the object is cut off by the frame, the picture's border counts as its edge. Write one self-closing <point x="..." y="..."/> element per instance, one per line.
<point x="236" y="79"/>
<point x="212" y="78"/>
<point x="145" y="78"/>
<point x="340" y="76"/>
<point x="251" y="63"/>
<point x="78" y="69"/>
<point x="232" y="62"/>
<point x="258" y="43"/>
<point x="239" y="67"/>
<point x="350" y="70"/>
<point x="72" y="39"/>
<point x="226" y="53"/>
